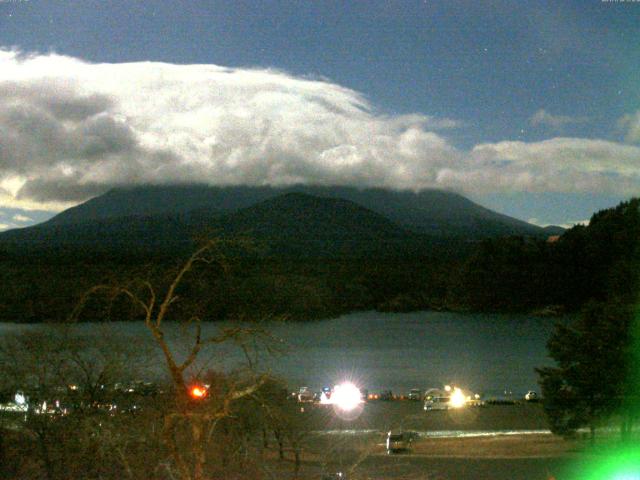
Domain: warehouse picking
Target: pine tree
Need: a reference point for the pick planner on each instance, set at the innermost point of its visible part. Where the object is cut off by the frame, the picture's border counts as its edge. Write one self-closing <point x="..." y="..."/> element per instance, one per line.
<point x="594" y="359"/>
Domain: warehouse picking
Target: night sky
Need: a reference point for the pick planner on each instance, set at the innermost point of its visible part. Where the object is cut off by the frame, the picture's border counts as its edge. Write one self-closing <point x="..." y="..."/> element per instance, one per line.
<point x="531" y="108"/>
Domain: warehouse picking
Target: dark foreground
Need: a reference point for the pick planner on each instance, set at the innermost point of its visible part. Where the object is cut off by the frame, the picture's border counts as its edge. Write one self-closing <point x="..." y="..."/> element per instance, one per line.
<point x="493" y="442"/>
<point x="462" y="469"/>
<point x="527" y="457"/>
<point x="507" y="442"/>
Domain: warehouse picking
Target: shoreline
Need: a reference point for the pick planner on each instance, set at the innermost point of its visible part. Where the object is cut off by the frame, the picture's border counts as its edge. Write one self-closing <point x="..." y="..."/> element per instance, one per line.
<point x="528" y="456"/>
<point x="441" y="434"/>
<point x="496" y="447"/>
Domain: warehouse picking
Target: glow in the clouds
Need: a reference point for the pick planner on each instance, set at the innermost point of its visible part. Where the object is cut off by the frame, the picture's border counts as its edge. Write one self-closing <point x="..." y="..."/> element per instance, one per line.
<point x="73" y="129"/>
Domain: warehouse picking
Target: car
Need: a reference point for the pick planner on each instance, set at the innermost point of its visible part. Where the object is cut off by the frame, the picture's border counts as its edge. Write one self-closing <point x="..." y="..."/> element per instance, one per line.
<point x="398" y="442"/>
<point x="531" y="396"/>
<point x="415" y="394"/>
<point x="306" y="395"/>
<point x="436" y="403"/>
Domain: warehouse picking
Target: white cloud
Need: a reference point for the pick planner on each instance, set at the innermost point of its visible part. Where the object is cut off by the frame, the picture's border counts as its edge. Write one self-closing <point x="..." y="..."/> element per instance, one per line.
<point x="5" y="226"/>
<point x="559" y="165"/>
<point x="630" y="123"/>
<point x="21" y="218"/>
<point x="568" y="224"/>
<point x="71" y="130"/>
<point x="556" y="122"/>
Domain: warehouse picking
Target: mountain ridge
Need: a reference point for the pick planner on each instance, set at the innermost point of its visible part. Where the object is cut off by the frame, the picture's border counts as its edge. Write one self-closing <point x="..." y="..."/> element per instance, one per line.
<point x="293" y="225"/>
<point x="433" y="212"/>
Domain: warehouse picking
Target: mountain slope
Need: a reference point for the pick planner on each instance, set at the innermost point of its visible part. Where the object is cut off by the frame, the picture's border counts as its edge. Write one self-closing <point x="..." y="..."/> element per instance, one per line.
<point x="432" y="212"/>
<point x="303" y="225"/>
<point x="311" y="257"/>
<point x="292" y="223"/>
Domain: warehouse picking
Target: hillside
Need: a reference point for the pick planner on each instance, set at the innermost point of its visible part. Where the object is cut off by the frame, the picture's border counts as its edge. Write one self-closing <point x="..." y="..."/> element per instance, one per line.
<point x="432" y="212"/>
<point x="317" y="252"/>
<point x="597" y="262"/>
<point x="292" y="224"/>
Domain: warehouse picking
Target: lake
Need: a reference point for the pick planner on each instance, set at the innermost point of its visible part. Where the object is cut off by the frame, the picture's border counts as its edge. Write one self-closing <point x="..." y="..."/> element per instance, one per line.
<point x="482" y="352"/>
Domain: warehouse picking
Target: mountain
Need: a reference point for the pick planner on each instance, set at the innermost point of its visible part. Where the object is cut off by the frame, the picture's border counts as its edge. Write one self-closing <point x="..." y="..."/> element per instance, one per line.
<point x="302" y="221"/>
<point x="294" y="224"/>
<point x="311" y="256"/>
<point x="432" y="212"/>
<point x="317" y="252"/>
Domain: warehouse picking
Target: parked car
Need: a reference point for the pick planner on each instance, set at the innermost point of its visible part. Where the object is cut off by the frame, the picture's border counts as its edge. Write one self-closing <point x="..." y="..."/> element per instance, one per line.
<point x="415" y="394"/>
<point x="306" y="395"/>
<point x="531" y="396"/>
<point x="436" y="403"/>
<point x="398" y="442"/>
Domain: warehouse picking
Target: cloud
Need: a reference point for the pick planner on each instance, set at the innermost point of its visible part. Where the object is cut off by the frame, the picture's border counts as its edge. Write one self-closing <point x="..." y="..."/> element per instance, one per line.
<point x="70" y="130"/>
<point x="556" y="122"/>
<point x="630" y="123"/>
<point x="21" y="218"/>
<point x="559" y="165"/>
<point x="567" y="225"/>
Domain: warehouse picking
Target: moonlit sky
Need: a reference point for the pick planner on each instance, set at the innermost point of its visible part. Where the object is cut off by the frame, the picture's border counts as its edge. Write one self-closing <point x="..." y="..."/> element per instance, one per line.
<point x="529" y="108"/>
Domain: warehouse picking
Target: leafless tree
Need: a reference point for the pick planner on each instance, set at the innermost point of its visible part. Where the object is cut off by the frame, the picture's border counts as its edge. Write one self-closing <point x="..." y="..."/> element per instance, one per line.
<point x="65" y="377"/>
<point x="185" y="429"/>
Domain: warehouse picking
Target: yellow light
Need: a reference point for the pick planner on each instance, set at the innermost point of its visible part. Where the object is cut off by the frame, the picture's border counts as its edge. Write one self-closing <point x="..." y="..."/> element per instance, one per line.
<point x="457" y="399"/>
<point x="346" y="396"/>
<point x="198" y="392"/>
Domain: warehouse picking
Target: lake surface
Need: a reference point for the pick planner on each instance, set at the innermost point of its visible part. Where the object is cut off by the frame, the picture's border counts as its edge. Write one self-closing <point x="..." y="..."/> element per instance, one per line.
<point x="397" y="351"/>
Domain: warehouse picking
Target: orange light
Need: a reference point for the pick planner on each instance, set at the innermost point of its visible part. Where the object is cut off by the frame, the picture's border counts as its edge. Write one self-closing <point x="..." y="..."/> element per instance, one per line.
<point x="198" y="392"/>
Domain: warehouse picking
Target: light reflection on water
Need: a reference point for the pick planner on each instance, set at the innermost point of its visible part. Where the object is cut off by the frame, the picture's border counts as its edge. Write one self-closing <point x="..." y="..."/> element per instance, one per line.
<point x="396" y="351"/>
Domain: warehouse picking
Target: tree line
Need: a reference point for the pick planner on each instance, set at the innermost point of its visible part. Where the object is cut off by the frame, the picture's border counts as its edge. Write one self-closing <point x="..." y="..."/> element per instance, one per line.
<point x="587" y="263"/>
<point x="510" y="274"/>
<point x="596" y="379"/>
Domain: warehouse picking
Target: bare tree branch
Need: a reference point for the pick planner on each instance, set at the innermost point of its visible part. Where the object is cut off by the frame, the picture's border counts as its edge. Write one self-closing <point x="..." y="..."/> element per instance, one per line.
<point x="197" y="256"/>
<point x="197" y="346"/>
<point x="191" y="417"/>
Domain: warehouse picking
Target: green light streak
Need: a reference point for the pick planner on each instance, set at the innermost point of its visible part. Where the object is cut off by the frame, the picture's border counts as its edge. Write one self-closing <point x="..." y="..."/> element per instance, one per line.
<point x="621" y="463"/>
<point x="614" y="459"/>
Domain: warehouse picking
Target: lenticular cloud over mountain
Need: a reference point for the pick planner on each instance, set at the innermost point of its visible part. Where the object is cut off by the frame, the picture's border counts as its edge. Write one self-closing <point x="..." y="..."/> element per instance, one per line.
<point x="72" y="129"/>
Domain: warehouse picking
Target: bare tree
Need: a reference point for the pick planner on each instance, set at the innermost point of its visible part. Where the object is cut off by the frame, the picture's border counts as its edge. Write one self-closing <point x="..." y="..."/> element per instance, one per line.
<point x="64" y="377"/>
<point x="185" y="429"/>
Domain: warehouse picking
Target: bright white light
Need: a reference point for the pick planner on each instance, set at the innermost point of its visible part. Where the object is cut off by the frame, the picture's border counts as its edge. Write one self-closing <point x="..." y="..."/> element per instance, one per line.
<point x="627" y="476"/>
<point x="457" y="399"/>
<point x="447" y="388"/>
<point x="346" y="396"/>
<point x="20" y="399"/>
